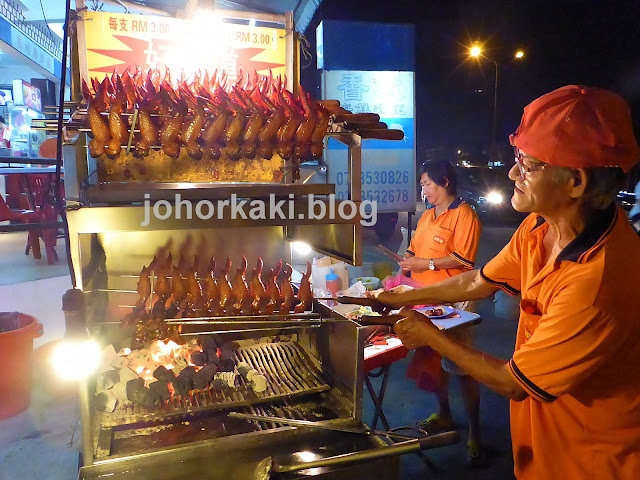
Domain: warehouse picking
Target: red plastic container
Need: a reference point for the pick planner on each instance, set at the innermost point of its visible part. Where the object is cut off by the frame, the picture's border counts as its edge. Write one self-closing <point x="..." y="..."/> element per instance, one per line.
<point x="16" y="353"/>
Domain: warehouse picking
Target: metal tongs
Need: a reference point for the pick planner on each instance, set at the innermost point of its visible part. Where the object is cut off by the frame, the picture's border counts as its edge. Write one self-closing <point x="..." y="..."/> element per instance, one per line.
<point x="323" y="426"/>
<point x="408" y="444"/>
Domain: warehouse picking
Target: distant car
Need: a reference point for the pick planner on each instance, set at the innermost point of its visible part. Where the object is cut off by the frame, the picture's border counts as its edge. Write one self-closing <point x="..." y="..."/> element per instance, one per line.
<point x="626" y="199"/>
<point x="489" y="191"/>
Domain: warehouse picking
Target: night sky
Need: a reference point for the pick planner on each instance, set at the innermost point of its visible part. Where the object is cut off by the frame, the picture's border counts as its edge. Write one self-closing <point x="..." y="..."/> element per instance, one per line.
<point x="588" y="42"/>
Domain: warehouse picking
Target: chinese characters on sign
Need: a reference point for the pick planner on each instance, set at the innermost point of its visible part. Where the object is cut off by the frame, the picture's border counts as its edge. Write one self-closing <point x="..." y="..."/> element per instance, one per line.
<point x="388" y="167"/>
<point x="128" y="41"/>
<point x="32" y="50"/>
<point x="389" y="94"/>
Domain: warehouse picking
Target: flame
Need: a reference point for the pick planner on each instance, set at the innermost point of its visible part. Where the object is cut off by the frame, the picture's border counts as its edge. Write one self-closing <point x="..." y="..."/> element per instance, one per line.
<point x="165" y="354"/>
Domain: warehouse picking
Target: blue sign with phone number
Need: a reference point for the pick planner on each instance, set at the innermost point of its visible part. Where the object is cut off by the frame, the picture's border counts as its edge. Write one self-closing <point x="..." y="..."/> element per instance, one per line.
<point x="387" y="177"/>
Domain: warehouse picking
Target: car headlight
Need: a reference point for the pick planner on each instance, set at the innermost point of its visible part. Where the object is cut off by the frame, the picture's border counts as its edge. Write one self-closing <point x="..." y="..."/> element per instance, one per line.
<point x="495" y="198"/>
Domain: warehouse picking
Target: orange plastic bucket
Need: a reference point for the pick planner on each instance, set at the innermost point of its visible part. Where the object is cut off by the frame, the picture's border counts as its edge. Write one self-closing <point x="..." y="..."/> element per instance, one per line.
<point x="17" y="332"/>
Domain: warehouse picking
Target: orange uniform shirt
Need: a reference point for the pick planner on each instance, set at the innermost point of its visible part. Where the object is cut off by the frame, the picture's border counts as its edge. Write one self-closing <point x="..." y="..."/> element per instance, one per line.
<point x="455" y="232"/>
<point x="577" y="351"/>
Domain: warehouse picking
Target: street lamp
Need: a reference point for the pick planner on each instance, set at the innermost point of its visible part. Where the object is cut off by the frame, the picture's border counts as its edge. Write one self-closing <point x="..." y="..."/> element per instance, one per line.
<point x="475" y="51"/>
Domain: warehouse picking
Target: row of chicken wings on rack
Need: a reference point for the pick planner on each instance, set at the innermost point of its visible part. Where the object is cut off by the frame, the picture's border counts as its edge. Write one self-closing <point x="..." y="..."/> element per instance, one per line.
<point x="197" y="290"/>
<point x="256" y="116"/>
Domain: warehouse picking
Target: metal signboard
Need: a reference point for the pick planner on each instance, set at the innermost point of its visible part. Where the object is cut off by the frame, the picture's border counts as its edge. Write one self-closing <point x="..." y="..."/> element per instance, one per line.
<point x="124" y="41"/>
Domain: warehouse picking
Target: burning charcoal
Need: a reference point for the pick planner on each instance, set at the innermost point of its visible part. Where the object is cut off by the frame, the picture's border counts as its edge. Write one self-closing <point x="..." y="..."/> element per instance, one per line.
<point x="258" y="383"/>
<point x="107" y="356"/>
<point x="160" y="389"/>
<point x="180" y="363"/>
<point x="227" y="365"/>
<point x="227" y="360"/>
<point x="226" y="351"/>
<point x="204" y="376"/>
<point x="182" y="385"/>
<point x="107" y="380"/>
<point x="161" y="373"/>
<point x="105" y="402"/>
<point x="127" y="374"/>
<point x="119" y="362"/>
<point x="212" y="356"/>
<point x="133" y="386"/>
<point x="188" y="372"/>
<point x="199" y="358"/>
<point x="227" y="379"/>
<point x="145" y="397"/>
<point x="208" y="343"/>
<point x="119" y="391"/>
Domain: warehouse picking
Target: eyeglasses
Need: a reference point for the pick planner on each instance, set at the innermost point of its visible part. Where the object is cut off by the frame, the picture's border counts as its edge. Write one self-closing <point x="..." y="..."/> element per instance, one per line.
<point x="526" y="166"/>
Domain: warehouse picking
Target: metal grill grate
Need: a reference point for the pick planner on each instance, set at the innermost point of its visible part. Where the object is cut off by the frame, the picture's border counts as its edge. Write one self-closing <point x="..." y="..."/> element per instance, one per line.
<point x="289" y="373"/>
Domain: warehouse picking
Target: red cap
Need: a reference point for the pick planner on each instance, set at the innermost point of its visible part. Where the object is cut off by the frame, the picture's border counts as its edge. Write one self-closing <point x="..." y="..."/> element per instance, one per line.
<point x="578" y="127"/>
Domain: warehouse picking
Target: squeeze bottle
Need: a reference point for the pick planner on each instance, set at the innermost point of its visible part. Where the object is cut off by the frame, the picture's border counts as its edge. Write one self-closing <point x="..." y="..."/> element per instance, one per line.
<point x="332" y="281"/>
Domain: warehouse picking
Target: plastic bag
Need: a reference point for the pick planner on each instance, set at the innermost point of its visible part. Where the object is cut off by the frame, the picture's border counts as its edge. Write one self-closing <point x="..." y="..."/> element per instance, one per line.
<point x="394" y="281"/>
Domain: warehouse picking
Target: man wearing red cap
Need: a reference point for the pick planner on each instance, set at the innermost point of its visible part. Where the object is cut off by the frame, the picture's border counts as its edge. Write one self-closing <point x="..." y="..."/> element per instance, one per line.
<point x="574" y="377"/>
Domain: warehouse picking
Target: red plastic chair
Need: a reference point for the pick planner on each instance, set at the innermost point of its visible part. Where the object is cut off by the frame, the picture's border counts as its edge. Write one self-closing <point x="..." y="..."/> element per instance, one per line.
<point x="24" y="216"/>
<point x="42" y="187"/>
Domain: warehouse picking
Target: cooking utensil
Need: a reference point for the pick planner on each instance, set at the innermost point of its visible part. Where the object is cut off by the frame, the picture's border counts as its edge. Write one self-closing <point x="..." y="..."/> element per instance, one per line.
<point x="321" y="426"/>
<point x="390" y="254"/>
<point x="413" y="444"/>
<point x="388" y="320"/>
<point x="410" y="446"/>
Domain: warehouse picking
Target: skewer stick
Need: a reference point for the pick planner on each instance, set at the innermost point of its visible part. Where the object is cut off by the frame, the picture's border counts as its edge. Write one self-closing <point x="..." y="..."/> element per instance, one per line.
<point x="133" y="126"/>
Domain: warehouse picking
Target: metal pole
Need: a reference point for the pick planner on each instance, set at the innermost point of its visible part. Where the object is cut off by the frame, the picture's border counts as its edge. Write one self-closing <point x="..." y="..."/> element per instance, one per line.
<point x="495" y="107"/>
<point x="85" y="422"/>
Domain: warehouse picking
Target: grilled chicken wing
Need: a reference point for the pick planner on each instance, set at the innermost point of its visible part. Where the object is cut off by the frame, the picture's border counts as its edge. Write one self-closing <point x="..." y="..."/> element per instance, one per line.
<point x="258" y="292"/>
<point x="227" y="295"/>
<point x="286" y="290"/>
<point x="98" y="123"/>
<point x="241" y="290"/>
<point x="117" y="122"/>
<point x="305" y="294"/>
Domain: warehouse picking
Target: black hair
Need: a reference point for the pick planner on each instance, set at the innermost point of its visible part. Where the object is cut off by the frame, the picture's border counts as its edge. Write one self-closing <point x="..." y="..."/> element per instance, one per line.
<point x="439" y="172"/>
<point x="2" y="119"/>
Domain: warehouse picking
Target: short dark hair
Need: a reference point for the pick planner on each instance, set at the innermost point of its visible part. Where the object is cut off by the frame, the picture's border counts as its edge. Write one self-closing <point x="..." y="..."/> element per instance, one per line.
<point x="441" y="171"/>
<point x="2" y="119"/>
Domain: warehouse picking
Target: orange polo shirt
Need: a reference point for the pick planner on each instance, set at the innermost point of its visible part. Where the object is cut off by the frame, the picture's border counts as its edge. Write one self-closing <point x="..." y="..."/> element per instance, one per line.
<point x="455" y="232"/>
<point x="577" y="351"/>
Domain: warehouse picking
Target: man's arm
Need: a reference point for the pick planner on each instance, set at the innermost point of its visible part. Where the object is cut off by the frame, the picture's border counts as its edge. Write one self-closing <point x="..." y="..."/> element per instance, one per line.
<point x="466" y="286"/>
<point x="419" y="264"/>
<point x="416" y="330"/>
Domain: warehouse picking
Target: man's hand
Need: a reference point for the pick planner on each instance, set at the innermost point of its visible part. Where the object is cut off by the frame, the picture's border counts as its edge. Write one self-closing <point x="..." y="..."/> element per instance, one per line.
<point x="415" y="330"/>
<point x="388" y="298"/>
<point x="414" y="264"/>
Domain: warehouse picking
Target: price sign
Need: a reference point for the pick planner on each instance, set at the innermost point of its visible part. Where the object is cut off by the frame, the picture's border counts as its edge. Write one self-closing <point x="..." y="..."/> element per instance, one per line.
<point x="206" y="43"/>
<point x="388" y="167"/>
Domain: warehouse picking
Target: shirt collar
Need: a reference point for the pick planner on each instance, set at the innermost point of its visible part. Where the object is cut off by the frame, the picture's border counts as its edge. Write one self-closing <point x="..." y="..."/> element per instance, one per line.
<point x="455" y="204"/>
<point x="599" y="226"/>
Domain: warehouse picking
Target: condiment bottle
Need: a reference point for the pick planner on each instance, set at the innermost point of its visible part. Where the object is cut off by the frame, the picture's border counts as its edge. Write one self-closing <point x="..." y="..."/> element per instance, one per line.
<point x="333" y="282"/>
